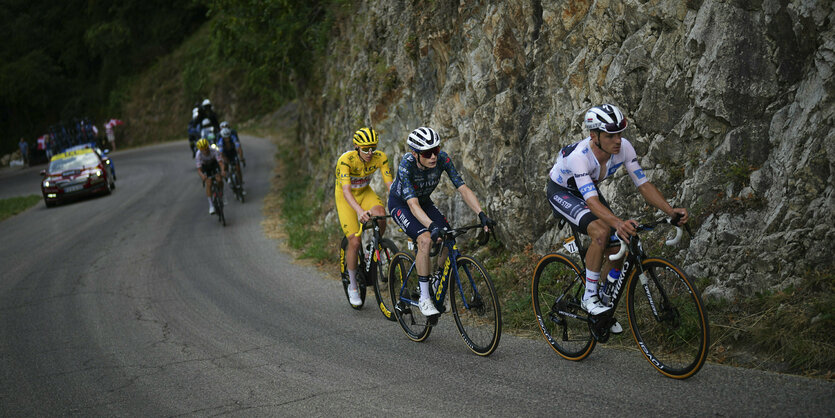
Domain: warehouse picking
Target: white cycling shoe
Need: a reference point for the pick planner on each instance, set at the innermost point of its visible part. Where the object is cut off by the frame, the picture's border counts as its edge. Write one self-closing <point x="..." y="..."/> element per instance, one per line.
<point x="427" y="308"/>
<point x="354" y="296"/>
<point x="211" y="210"/>
<point x="593" y="306"/>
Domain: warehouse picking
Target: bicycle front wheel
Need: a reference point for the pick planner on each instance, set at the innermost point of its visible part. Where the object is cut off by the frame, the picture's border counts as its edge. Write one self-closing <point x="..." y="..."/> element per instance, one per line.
<point x="556" y="291"/>
<point x="386" y="253"/>
<point x="477" y="312"/>
<point x="668" y="319"/>
<point x="405" y="294"/>
<point x="343" y="267"/>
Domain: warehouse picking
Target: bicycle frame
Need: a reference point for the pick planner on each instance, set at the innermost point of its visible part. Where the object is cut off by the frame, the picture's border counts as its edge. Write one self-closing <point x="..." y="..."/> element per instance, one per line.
<point x="634" y="260"/>
<point x="450" y="270"/>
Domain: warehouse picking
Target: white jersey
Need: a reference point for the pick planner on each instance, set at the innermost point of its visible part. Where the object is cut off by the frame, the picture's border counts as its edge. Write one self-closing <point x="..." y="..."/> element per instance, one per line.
<point x="200" y="158"/>
<point x="578" y="169"/>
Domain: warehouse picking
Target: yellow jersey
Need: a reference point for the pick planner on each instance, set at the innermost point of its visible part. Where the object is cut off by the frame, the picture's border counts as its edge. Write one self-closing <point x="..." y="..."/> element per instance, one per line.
<point x="351" y="169"/>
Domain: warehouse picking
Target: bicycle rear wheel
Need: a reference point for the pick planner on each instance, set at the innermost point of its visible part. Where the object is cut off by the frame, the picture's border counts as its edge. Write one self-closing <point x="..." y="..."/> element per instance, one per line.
<point x="477" y="313"/>
<point x="556" y="291"/>
<point x="343" y="268"/>
<point x="218" y="203"/>
<point x="386" y="252"/>
<point x="668" y="319"/>
<point x="405" y="294"/>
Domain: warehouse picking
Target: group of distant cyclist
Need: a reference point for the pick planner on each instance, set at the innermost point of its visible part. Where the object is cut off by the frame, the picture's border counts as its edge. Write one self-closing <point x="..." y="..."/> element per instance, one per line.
<point x="572" y="192"/>
<point x="216" y="148"/>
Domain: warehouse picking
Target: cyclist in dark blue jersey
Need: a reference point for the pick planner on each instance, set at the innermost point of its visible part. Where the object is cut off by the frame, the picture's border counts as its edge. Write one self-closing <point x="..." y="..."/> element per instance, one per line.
<point x="412" y="208"/>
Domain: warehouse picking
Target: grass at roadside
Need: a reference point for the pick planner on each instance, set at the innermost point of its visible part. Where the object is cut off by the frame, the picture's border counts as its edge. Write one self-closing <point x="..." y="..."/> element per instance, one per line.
<point x="14" y="205"/>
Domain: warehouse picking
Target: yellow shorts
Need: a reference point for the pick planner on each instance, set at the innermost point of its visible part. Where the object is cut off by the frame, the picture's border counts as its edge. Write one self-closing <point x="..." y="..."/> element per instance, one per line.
<point x="347" y="217"/>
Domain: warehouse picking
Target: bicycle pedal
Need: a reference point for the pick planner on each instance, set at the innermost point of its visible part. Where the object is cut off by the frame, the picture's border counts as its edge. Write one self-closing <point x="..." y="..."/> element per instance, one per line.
<point x="432" y="320"/>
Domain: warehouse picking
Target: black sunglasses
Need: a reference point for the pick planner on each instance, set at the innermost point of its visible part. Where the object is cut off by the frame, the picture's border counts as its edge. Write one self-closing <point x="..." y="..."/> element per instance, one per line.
<point x="615" y="127"/>
<point x="430" y="152"/>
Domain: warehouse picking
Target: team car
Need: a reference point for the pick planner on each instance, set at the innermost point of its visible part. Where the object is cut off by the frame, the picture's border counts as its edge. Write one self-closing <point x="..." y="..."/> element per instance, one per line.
<point x="76" y="172"/>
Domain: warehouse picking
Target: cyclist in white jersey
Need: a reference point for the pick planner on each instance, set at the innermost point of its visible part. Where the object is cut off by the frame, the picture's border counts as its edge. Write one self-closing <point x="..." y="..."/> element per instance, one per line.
<point x="573" y="193"/>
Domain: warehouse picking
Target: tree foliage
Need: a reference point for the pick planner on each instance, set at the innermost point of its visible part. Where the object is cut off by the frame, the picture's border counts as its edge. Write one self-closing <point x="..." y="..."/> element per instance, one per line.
<point x="61" y="59"/>
<point x="276" y="42"/>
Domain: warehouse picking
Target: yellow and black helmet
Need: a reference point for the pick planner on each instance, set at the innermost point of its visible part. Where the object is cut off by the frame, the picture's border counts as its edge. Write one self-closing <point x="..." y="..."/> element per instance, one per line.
<point x="203" y="144"/>
<point x="365" y="137"/>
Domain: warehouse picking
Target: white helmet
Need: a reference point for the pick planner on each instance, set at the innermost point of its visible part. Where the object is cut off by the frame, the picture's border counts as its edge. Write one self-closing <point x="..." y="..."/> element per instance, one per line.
<point x="607" y="118"/>
<point x="224" y="124"/>
<point x="207" y="122"/>
<point x="206" y="102"/>
<point x="194" y="113"/>
<point x="423" y="138"/>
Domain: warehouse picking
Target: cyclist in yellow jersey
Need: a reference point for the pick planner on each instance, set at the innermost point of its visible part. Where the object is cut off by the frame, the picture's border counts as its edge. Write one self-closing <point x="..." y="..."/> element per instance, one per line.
<point x="355" y="197"/>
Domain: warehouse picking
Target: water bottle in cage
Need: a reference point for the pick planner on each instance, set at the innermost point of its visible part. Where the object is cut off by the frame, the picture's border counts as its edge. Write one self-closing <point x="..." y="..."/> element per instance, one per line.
<point x="609" y="286"/>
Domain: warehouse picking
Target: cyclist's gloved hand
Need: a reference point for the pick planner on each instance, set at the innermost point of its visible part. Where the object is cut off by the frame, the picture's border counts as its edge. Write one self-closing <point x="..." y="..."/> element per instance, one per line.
<point x="435" y="231"/>
<point x="485" y="221"/>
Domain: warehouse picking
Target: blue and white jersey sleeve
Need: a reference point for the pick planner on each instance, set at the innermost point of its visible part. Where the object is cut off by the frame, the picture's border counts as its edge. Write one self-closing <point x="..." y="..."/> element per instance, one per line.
<point x="631" y="163"/>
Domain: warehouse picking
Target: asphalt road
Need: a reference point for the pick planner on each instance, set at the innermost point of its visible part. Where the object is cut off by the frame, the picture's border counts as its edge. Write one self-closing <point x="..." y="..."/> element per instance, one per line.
<point x="141" y="304"/>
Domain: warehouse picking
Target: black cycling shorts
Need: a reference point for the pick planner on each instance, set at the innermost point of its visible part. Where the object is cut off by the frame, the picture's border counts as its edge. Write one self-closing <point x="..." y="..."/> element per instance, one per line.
<point x="210" y="168"/>
<point x="569" y="204"/>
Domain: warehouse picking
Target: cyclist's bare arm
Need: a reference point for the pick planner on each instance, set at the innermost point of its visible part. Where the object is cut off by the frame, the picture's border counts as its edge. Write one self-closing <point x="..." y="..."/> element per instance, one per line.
<point x="654" y="197"/>
<point x="624" y="228"/>
<point x="352" y="201"/>
<point x="470" y="199"/>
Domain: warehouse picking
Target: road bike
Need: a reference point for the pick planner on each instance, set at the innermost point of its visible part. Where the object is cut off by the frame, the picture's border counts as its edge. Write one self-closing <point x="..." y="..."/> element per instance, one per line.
<point x="235" y="184"/>
<point x="373" y="260"/>
<point x="475" y="307"/>
<point x="666" y="314"/>
<point x="217" y="199"/>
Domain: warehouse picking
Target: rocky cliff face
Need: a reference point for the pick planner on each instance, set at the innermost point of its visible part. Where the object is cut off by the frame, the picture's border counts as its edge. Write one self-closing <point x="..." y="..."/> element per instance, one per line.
<point x="730" y="106"/>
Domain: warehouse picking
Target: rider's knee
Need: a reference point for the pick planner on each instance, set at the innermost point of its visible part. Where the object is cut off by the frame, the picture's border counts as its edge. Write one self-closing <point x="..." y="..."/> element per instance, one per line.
<point x="598" y="232"/>
<point x="424" y="240"/>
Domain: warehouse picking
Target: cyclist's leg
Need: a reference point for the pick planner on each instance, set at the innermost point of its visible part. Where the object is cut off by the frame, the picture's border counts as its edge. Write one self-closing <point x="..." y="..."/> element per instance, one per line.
<point x="436" y="216"/>
<point x="350" y="227"/>
<point x="566" y="204"/>
<point x="416" y="231"/>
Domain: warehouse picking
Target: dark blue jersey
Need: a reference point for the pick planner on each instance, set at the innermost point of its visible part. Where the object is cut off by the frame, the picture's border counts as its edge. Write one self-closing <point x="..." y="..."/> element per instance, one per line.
<point x="411" y="181"/>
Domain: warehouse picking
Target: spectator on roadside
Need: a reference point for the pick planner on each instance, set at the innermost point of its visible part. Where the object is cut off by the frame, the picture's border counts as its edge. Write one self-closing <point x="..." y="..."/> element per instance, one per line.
<point x="24" y="151"/>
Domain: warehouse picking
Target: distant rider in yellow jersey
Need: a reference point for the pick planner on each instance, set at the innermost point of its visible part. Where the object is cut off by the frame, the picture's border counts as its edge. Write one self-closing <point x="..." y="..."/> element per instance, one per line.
<point x="356" y="199"/>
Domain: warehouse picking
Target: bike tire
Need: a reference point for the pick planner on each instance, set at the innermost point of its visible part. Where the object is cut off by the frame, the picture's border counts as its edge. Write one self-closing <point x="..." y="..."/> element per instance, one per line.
<point x="381" y="269"/>
<point x="668" y="319"/>
<point x="477" y="313"/>
<point x="558" y="286"/>
<point x="346" y="281"/>
<point x="405" y="293"/>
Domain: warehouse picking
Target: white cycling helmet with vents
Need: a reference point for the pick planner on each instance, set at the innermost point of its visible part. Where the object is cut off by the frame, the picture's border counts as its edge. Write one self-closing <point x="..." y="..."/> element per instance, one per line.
<point x="423" y="138"/>
<point x="607" y="118"/>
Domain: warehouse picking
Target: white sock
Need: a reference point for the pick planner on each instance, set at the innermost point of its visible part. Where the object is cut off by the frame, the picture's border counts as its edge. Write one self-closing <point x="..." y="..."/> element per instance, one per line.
<point x="591" y="283"/>
<point x="425" y="293"/>
<point x="352" y="276"/>
<point x="210" y="202"/>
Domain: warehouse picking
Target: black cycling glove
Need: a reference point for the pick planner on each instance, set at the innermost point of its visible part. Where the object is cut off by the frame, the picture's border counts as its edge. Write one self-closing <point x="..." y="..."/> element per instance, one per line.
<point x="485" y="221"/>
<point x="435" y="231"/>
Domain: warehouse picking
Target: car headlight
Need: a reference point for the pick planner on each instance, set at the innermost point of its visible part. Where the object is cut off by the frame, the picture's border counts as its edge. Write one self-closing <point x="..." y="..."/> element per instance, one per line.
<point x="46" y="184"/>
<point x="98" y="173"/>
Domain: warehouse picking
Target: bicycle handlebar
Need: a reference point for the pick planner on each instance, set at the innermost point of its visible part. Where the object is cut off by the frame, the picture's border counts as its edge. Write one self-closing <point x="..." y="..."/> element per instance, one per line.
<point x="371" y="221"/>
<point x="646" y="227"/>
